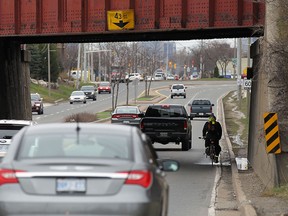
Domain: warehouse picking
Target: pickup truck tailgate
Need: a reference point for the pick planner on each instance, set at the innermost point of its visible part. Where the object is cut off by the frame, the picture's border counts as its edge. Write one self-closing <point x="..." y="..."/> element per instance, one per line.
<point x="163" y="124"/>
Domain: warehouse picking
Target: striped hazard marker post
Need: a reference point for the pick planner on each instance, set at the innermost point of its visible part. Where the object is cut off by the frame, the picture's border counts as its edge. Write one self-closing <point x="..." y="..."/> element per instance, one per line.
<point x="272" y="133"/>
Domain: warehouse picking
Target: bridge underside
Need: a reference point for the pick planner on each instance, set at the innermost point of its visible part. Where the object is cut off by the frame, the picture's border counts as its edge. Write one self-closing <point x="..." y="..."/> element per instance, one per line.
<point x="43" y="21"/>
<point x="164" y="35"/>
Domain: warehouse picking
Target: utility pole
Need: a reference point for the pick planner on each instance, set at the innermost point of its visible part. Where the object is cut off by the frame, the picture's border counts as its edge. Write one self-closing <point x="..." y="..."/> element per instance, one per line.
<point x="248" y="65"/>
<point x="49" y="72"/>
<point x="78" y="66"/>
<point x="235" y="54"/>
<point x="239" y="82"/>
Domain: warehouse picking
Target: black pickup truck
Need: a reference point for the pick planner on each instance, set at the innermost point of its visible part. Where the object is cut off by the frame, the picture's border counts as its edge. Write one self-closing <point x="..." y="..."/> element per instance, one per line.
<point x="168" y="123"/>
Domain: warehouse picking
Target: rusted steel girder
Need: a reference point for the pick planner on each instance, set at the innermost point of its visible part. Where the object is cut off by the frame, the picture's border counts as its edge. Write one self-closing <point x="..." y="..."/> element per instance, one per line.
<point x="24" y="19"/>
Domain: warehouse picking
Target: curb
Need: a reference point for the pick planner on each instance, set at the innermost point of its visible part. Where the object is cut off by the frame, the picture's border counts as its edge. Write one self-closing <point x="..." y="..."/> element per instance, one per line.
<point x="245" y="206"/>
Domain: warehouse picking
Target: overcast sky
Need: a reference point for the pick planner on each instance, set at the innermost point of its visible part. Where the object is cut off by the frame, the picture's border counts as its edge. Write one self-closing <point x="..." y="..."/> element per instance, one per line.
<point x="192" y="43"/>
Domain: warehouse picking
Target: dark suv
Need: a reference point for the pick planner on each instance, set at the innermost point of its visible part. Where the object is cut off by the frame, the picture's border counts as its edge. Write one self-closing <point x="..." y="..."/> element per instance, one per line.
<point x="37" y="103"/>
<point x="89" y="91"/>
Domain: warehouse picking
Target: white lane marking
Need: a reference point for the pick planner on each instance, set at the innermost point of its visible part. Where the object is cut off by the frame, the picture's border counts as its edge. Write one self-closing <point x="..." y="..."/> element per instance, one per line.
<point x="211" y="209"/>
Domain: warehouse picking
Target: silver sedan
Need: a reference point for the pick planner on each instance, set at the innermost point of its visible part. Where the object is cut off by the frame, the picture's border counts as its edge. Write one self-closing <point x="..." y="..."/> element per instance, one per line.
<point x="77" y="96"/>
<point x="83" y="169"/>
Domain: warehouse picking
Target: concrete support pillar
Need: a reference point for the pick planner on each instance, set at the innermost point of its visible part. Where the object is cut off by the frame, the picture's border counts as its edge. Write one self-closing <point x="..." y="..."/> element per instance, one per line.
<point x="15" y="83"/>
<point x="275" y="66"/>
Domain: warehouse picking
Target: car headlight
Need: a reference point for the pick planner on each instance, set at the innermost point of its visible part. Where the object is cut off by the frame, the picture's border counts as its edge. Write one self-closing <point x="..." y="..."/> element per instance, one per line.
<point x="37" y="105"/>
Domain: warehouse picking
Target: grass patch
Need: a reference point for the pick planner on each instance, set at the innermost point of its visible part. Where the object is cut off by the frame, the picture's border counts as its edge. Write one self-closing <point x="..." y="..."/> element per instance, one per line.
<point x="63" y="92"/>
<point x="103" y="115"/>
<point x="231" y="125"/>
<point x="237" y="122"/>
<point x="146" y="98"/>
<point x="281" y="192"/>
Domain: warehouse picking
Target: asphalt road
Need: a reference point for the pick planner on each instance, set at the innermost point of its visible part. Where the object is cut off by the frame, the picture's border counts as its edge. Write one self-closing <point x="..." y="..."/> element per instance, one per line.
<point x="192" y="187"/>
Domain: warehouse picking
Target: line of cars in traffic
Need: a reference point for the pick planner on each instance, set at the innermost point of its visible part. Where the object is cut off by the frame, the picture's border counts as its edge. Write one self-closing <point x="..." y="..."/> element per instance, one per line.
<point x="89" y="92"/>
<point x="93" y="169"/>
<point x="83" y="169"/>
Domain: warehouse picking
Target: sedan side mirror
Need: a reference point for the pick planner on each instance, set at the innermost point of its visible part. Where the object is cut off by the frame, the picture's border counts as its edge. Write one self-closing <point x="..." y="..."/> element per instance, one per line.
<point x="169" y="165"/>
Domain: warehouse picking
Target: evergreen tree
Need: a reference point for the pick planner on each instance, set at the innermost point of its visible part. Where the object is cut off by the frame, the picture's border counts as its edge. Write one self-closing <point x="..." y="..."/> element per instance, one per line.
<point x="216" y="72"/>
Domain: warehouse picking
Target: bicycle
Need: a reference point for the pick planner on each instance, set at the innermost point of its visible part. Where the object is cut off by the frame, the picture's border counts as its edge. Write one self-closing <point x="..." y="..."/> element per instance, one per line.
<point x="212" y="150"/>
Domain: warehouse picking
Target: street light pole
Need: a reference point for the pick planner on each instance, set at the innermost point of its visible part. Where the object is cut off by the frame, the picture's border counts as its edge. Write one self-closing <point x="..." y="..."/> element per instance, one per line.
<point x="49" y="72"/>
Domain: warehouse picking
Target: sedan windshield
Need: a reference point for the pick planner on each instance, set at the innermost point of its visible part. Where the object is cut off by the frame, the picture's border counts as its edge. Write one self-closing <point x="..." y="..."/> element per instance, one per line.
<point x="77" y="93"/>
<point x="85" y="88"/>
<point x="35" y="97"/>
<point x="104" y="84"/>
<point x="73" y="146"/>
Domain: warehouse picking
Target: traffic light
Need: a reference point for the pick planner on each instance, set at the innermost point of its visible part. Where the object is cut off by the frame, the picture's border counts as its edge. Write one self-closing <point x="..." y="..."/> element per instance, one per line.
<point x="170" y="64"/>
<point x="249" y="73"/>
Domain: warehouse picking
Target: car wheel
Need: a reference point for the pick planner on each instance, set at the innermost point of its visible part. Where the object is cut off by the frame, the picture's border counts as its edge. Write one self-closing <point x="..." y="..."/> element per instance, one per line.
<point x="42" y="111"/>
<point x="71" y="102"/>
<point x="99" y="92"/>
<point x="184" y="96"/>
<point x="39" y="112"/>
<point x="185" y="145"/>
<point x="84" y="102"/>
<point x="171" y="97"/>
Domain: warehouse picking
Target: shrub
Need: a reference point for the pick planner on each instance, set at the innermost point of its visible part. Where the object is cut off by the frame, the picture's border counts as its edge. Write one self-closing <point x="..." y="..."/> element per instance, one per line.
<point x="81" y="117"/>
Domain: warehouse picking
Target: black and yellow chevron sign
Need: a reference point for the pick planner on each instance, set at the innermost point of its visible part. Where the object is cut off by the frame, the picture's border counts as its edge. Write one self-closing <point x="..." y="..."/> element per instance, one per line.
<point x="272" y="133"/>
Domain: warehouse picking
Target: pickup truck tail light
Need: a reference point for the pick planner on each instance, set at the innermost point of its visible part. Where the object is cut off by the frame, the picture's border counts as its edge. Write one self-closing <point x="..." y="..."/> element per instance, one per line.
<point x="141" y="125"/>
<point x="185" y="125"/>
<point x="139" y="177"/>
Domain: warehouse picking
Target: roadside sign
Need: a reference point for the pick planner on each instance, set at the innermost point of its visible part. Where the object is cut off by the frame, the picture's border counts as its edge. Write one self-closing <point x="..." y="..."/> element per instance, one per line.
<point x="272" y="135"/>
<point x="247" y="84"/>
<point x="120" y="19"/>
<point x="234" y="61"/>
<point x="239" y="82"/>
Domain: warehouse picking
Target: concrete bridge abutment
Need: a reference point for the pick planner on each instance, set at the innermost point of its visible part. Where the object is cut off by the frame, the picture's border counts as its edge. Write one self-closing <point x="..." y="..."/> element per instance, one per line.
<point x="15" y="82"/>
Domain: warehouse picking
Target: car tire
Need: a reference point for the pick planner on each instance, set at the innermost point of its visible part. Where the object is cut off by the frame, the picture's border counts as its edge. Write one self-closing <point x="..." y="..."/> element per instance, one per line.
<point x="94" y="99"/>
<point x="39" y="112"/>
<point x="171" y="97"/>
<point x="99" y="92"/>
<point x="71" y="102"/>
<point x="42" y="111"/>
<point x="184" y="96"/>
<point x="84" y="102"/>
<point x="185" y="145"/>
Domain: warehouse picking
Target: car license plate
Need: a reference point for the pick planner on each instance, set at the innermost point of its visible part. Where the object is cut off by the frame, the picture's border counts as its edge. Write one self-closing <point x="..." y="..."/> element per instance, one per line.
<point x="126" y="122"/>
<point x="4" y="148"/>
<point x="71" y="185"/>
<point x="201" y="113"/>
<point x="163" y="134"/>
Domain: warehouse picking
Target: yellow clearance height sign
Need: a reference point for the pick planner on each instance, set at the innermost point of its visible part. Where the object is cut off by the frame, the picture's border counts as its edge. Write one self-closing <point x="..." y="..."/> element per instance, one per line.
<point x="120" y="20"/>
<point x="272" y="133"/>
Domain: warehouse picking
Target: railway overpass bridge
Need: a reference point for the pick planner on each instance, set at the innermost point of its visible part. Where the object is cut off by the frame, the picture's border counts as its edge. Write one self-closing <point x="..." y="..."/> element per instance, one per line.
<point x="77" y="21"/>
<point x="64" y="21"/>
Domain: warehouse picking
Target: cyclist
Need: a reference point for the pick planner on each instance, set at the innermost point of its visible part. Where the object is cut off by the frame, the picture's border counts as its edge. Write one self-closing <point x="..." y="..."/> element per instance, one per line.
<point x="212" y="130"/>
